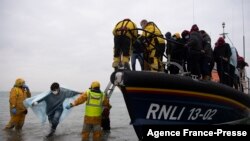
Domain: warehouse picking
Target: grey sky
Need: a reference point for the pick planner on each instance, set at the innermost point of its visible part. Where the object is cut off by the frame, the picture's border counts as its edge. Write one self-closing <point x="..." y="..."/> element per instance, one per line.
<point x="71" y="42"/>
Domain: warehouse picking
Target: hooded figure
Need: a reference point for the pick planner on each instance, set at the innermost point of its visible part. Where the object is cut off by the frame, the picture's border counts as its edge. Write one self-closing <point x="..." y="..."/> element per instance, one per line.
<point x="17" y="110"/>
<point x="207" y="62"/>
<point x="194" y="45"/>
<point x="222" y="53"/>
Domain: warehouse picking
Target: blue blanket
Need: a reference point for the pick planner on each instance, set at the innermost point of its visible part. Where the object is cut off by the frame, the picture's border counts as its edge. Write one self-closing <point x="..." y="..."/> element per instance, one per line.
<point x="40" y="109"/>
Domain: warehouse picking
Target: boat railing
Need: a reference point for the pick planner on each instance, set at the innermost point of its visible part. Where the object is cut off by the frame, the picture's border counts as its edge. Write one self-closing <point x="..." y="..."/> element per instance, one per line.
<point x="244" y="80"/>
<point x="181" y="70"/>
<point x="244" y="84"/>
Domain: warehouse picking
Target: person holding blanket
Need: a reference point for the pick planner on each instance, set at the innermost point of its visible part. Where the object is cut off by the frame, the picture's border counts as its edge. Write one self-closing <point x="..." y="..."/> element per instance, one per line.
<point x="54" y="104"/>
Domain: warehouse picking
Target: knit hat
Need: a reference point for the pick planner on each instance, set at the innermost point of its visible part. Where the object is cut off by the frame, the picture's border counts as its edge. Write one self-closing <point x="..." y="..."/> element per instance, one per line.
<point x="168" y="35"/>
<point x="184" y="33"/>
<point x="220" y="41"/>
<point x="194" y="28"/>
<point x="143" y="23"/>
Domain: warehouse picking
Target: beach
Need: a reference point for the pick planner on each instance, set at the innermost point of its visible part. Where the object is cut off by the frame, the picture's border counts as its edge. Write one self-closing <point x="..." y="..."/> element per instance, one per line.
<point x="70" y="128"/>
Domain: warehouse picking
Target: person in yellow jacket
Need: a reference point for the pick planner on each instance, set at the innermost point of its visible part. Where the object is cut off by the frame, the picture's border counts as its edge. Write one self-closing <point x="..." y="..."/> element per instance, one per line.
<point x="95" y="101"/>
<point x="124" y="34"/>
<point x="155" y="45"/>
<point x="18" y="94"/>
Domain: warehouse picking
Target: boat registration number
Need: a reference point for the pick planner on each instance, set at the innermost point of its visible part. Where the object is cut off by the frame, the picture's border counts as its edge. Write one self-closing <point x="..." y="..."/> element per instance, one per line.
<point x="172" y="112"/>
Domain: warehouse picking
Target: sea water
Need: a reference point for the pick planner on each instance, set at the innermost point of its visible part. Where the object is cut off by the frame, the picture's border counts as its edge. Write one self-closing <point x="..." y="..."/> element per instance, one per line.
<point x="70" y="128"/>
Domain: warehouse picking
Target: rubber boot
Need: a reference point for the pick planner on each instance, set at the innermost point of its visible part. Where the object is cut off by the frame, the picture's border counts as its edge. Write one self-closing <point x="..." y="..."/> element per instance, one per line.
<point x="85" y="135"/>
<point x="116" y="61"/>
<point x="125" y="63"/>
<point x="154" y="65"/>
<point x="97" y="135"/>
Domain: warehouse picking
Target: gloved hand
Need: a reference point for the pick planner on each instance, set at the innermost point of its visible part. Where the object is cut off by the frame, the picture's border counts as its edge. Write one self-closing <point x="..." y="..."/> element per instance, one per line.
<point x="13" y="111"/>
<point x="69" y="106"/>
<point x="34" y="103"/>
<point x="26" y="87"/>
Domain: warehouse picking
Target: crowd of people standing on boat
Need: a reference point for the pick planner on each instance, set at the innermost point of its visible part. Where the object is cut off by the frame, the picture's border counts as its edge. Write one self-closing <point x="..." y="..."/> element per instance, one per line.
<point x="191" y="50"/>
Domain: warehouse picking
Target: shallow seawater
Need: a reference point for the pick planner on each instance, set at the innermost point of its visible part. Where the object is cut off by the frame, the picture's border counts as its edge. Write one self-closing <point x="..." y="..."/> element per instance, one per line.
<point x="70" y="128"/>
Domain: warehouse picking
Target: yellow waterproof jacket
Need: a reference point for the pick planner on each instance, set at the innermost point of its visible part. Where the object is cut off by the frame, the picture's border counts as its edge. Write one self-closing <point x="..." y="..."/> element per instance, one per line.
<point x="87" y="118"/>
<point x="152" y="38"/>
<point x="125" y="27"/>
<point x="17" y="96"/>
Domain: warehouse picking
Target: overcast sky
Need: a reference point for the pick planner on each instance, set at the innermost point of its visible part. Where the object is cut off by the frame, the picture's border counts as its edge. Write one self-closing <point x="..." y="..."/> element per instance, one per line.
<point x="71" y="41"/>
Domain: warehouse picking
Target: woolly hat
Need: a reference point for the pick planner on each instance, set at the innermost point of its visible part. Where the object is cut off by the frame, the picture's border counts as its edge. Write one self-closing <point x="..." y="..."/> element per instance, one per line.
<point x="220" y="41"/>
<point x="194" y="28"/>
<point x="184" y="33"/>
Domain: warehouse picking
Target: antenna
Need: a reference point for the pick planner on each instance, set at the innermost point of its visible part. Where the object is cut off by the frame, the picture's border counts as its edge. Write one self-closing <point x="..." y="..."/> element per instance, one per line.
<point x="243" y="26"/>
<point x="193" y="11"/>
<point x="224" y="35"/>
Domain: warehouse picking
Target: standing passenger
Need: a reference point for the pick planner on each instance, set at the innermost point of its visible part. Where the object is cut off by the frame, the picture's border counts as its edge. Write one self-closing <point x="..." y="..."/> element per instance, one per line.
<point x="222" y="53"/>
<point x="137" y="53"/>
<point x="207" y="62"/>
<point x="194" y="47"/>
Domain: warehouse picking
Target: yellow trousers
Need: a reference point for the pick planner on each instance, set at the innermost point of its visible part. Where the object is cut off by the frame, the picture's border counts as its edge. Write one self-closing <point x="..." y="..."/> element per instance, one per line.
<point x="16" y="121"/>
<point x="95" y="128"/>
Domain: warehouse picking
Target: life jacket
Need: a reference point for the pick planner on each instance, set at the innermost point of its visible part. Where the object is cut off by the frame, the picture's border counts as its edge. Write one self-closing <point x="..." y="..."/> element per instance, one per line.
<point x="153" y="35"/>
<point x="124" y="28"/>
<point x="94" y="103"/>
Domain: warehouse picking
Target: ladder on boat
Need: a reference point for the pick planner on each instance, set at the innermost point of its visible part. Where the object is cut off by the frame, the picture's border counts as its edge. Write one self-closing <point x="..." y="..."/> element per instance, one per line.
<point x="244" y="81"/>
<point x="109" y="89"/>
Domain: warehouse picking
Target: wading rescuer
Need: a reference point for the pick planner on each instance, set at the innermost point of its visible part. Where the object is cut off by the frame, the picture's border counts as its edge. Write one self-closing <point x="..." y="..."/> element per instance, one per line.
<point x="95" y="101"/>
<point x="18" y="94"/>
<point x="124" y="34"/>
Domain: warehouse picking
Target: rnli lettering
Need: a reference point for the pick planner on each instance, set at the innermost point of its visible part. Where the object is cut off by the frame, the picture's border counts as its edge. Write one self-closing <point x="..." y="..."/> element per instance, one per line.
<point x="156" y="111"/>
<point x="173" y="112"/>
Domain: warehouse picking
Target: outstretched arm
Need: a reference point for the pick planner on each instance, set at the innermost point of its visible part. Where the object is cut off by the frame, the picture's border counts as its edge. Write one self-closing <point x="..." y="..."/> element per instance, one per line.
<point x="69" y="93"/>
<point x="80" y="100"/>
